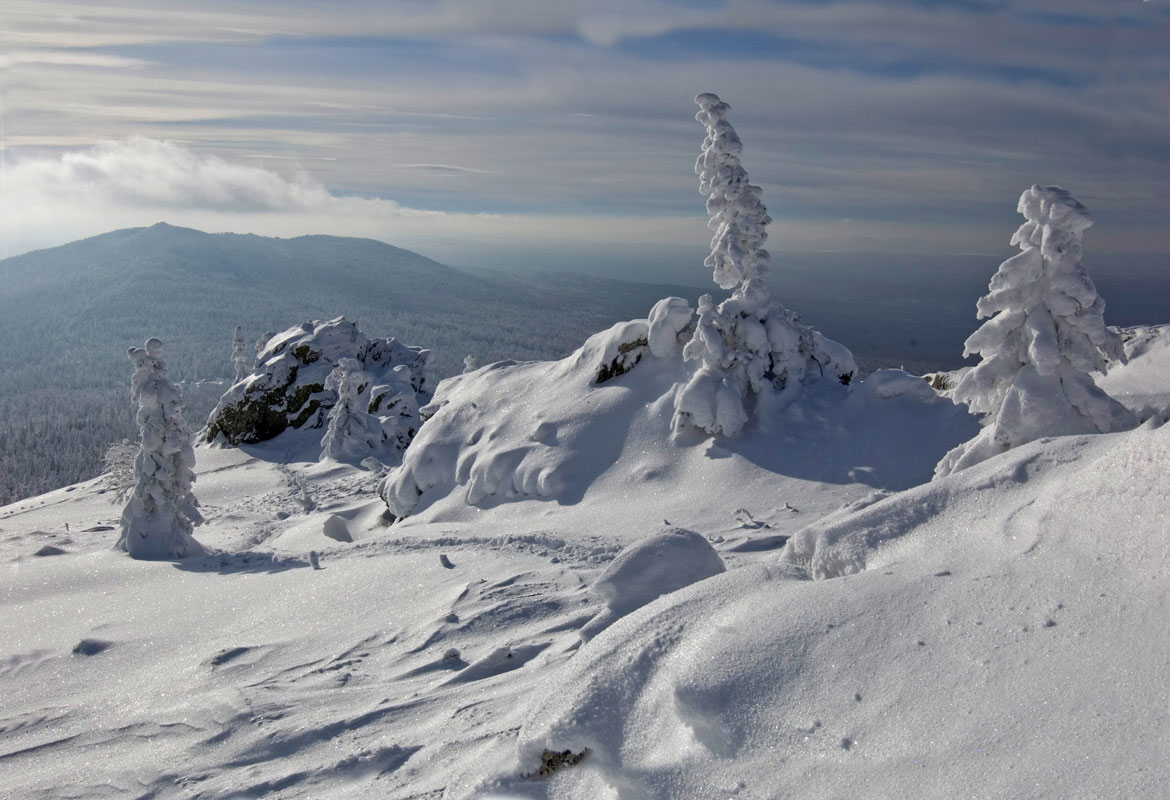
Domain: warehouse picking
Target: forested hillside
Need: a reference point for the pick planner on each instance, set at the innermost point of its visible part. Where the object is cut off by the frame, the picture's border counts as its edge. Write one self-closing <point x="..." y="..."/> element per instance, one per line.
<point x="69" y="314"/>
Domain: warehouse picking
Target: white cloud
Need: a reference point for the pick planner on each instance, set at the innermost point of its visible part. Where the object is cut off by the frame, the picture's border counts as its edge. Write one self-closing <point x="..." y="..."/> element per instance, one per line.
<point x="48" y="201"/>
<point x="69" y="58"/>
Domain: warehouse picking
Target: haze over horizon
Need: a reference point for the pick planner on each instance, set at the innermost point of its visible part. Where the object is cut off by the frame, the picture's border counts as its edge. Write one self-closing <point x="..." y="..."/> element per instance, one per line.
<point x="503" y="133"/>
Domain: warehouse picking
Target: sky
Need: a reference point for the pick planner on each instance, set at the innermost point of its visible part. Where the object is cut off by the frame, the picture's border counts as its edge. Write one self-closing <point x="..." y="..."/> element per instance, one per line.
<point x="490" y="132"/>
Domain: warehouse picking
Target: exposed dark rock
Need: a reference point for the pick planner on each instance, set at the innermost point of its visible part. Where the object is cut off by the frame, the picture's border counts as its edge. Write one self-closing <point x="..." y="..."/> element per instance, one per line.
<point x="287" y="388"/>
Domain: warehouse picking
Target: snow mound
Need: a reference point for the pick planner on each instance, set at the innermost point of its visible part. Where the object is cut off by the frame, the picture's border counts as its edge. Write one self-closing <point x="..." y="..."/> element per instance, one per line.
<point x="651" y="567"/>
<point x="535" y="430"/>
<point x="600" y="421"/>
<point x="287" y="388"/>
<point x="989" y="643"/>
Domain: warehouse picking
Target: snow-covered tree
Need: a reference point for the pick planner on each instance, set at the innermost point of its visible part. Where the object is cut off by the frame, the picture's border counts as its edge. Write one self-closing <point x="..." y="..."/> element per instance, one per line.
<point x="241" y="355"/>
<point x="353" y="434"/>
<point x="1046" y="334"/>
<point x="749" y="345"/>
<point x="162" y="511"/>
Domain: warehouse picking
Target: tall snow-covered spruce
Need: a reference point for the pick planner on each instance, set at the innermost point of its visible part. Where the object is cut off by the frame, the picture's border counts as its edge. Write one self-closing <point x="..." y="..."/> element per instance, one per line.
<point x="162" y="511"/>
<point x="1045" y="335"/>
<point x="749" y="345"/>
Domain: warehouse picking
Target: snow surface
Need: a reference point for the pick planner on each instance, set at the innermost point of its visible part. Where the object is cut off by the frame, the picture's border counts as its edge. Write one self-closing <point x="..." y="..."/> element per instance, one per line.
<point x="1000" y="632"/>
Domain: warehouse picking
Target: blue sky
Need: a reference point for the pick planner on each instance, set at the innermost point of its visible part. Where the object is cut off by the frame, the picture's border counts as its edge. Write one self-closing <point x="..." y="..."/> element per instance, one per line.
<point x="465" y="128"/>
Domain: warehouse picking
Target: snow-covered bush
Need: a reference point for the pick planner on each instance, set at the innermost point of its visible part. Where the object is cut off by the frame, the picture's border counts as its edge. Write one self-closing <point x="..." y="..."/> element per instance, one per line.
<point x="118" y="469"/>
<point x="534" y="430"/>
<point x="748" y="345"/>
<point x="162" y="511"/>
<point x="241" y="356"/>
<point x="1046" y="334"/>
<point x="287" y="388"/>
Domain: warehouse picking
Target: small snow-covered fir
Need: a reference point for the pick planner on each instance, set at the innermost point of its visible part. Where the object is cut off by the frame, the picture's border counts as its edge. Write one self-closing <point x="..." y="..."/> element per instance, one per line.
<point x="1046" y="336"/>
<point x="162" y="510"/>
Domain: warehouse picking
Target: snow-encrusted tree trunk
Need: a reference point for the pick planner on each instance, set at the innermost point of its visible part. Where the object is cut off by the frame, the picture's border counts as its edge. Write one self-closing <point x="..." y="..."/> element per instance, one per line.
<point x="749" y="345"/>
<point x="162" y="511"/>
<point x="241" y="355"/>
<point x="353" y="434"/>
<point x="1046" y="334"/>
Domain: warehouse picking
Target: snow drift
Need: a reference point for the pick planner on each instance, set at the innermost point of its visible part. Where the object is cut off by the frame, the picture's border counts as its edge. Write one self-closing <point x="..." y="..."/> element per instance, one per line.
<point x="601" y="419"/>
<point x="978" y="638"/>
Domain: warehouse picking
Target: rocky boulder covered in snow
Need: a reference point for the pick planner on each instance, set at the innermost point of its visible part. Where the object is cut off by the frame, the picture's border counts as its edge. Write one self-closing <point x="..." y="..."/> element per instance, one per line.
<point x="287" y="388"/>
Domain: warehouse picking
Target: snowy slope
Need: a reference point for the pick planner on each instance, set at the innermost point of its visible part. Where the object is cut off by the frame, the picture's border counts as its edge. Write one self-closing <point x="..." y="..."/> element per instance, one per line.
<point x="1004" y="635"/>
<point x="1000" y="633"/>
<point x="546" y="438"/>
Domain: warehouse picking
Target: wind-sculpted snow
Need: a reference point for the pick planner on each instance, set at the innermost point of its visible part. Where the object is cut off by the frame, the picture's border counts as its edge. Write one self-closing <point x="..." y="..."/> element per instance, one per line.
<point x="536" y="430"/>
<point x="649" y="568"/>
<point x="288" y="387"/>
<point x="987" y="641"/>
<point x="1138" y="384"/>
<point x="556" y="431"/>
<point x="998" y="633"/>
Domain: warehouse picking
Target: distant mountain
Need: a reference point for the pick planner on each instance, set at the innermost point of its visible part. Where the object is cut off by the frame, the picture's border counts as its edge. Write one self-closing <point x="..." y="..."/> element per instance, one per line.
<point x="68" y="314"/>
<point x="76" y="308"/>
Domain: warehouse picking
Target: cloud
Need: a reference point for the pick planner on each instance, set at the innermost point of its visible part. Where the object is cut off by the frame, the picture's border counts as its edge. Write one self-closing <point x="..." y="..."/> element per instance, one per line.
<point x="69" y="58"/>
<point x="573" y="119"/>
<point x="440" y="169"/>
<point x="51" y="200"/>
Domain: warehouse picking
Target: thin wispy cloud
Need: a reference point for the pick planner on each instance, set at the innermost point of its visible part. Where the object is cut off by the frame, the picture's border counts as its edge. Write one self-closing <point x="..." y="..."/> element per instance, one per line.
<point x="441" y="169"/>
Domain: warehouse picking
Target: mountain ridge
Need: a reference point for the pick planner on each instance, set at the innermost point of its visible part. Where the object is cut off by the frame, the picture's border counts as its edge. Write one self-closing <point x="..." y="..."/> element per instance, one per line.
<point x="70" y="312"/>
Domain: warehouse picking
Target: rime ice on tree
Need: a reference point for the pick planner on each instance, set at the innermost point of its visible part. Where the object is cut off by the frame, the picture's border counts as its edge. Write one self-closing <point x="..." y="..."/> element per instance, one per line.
<point x="749" y="345"/>
<point x="241" y="355"/>
<point x="162" y="512"/>
<point x="1046" y="334"/>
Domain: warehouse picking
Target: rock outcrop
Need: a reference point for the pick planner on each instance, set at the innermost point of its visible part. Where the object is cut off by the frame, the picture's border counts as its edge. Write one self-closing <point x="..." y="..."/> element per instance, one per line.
<point x="287" y="388"/>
